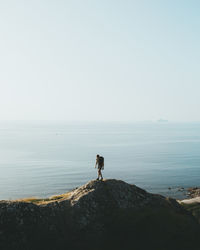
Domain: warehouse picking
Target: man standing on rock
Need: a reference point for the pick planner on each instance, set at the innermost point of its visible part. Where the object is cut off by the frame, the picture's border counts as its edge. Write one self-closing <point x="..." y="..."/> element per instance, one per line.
<point x="100" y="165"/>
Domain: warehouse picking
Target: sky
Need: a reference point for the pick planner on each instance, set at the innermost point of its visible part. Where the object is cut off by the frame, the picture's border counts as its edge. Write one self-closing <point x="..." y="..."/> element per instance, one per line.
<point x="100" y="60"/>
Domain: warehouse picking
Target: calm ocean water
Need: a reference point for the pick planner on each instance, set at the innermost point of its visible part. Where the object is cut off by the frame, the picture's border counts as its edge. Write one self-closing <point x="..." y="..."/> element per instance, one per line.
<point x="42" y="159"/>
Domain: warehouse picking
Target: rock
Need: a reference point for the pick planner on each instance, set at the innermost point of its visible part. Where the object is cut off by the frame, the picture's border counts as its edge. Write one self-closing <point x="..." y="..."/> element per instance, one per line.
<point x="194" y="192"/>
<point x="109" y="215"/>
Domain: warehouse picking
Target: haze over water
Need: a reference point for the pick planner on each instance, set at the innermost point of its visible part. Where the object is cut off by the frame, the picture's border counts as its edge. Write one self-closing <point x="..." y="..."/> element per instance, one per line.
<point x="46" y="158"/>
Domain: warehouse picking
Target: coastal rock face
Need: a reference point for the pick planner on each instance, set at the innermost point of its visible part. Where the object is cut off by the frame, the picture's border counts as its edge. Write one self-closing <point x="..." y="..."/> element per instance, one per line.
<point x="108" y="214"/>
<point x="194" y="192"/>
<point x="96" y="198"/>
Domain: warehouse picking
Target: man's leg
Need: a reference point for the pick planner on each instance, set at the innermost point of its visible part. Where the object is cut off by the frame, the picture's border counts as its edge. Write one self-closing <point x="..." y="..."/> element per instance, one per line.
<point x="100" y="174"/>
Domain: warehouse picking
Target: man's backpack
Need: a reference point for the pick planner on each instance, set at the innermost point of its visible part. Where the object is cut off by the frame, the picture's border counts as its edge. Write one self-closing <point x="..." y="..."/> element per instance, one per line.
<point x="101" y="161"/>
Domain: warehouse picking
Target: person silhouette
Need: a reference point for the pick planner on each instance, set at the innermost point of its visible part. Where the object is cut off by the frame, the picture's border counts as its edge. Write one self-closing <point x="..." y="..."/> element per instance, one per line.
<point x="100" y="165"/>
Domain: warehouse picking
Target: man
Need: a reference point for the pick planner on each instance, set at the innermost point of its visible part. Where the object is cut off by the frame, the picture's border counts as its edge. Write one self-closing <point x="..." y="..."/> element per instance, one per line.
<point x="100" y="165"/>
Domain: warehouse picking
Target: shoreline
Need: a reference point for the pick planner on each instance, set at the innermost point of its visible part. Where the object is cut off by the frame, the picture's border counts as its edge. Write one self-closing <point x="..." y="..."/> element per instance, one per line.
<point x="194" y="196"/>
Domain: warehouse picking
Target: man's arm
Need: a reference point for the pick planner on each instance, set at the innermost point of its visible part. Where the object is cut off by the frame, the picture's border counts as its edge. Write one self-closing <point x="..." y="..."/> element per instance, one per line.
<point x="95" y="164"/>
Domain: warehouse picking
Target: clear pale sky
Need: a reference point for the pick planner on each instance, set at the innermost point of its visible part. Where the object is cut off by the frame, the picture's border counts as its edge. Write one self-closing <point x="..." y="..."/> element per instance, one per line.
<point x="100" y="60"/>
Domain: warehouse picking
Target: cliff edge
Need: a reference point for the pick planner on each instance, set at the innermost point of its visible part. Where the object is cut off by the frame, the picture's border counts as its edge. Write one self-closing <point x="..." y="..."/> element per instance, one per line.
<point x="109" y="214"/>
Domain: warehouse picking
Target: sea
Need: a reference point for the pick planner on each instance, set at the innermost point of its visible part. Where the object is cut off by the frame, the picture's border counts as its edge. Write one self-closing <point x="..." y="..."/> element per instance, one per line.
<point x="41" y="159"/>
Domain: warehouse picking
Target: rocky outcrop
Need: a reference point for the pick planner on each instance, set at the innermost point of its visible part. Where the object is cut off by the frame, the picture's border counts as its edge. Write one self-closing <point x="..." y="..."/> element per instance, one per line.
<point x="108" y="214"/>
<point x="194" y="192"/>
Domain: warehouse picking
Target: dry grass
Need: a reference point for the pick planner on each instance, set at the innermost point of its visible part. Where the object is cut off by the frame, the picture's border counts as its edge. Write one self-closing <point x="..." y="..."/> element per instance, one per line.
<point x="41" y="201"/>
